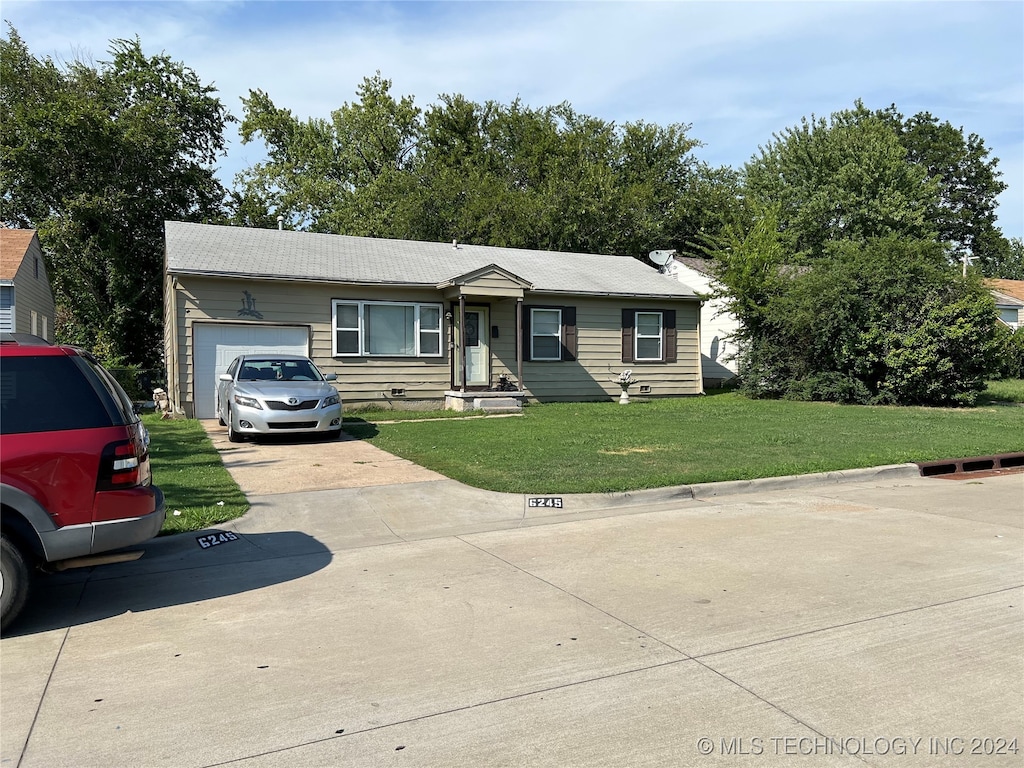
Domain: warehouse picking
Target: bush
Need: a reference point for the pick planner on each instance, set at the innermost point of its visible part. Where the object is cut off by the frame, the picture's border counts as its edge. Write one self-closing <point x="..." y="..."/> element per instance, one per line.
<point x="888" y="321"/>
<point x="1010" y="353"/>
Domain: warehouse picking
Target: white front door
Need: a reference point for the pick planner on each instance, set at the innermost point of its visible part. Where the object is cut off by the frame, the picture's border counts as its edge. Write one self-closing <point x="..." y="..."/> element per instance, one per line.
<point x="476" y="348"/>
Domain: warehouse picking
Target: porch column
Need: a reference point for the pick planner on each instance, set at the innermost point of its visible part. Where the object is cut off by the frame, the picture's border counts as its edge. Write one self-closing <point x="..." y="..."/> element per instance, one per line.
<point x="519" y="341"/>
<point x="462" y="338"/>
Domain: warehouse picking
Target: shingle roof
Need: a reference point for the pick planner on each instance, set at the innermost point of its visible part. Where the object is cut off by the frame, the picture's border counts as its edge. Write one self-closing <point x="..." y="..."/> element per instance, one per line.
<point x="700" y="265"/>
<point x="14" y="245"/>
<point x="1012" y="288"/>
<point x="204" y="249"/>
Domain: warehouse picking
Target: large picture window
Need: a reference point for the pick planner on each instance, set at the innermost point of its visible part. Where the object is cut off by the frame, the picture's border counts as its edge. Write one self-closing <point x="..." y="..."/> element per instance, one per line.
<point x="386" y="329"/>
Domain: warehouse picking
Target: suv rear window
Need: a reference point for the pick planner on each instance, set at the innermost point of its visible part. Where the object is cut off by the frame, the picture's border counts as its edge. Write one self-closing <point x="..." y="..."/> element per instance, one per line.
<point x="47" y="393"/>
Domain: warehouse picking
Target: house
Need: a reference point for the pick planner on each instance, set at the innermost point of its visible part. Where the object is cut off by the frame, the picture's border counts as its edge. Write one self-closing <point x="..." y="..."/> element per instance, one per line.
<point x="1009" y="296"/>
<point x="416" y="324"/>
<point x="718" y="326"/>
<point x="26" y="299"/>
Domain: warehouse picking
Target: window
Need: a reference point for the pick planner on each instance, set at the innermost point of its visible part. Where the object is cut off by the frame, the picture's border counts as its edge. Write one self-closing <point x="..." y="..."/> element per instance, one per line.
<point x="648" y="336"/>
<point x="647" y="339"/>
<point x="7" y="308"/>
<point x="549" y="334"/>
<point x="384" y="329"/>
<point x="546" y="334"/>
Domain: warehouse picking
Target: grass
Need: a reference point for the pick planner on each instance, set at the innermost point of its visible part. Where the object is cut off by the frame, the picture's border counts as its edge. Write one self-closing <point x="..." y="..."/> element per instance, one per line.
<point x="1004" y="391"/>
<point x="198" y="490"/>
<point x="605" y="447"/>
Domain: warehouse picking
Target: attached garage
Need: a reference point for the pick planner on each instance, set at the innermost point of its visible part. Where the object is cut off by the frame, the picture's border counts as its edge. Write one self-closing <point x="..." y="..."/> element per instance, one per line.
<point x="215" y="345"/>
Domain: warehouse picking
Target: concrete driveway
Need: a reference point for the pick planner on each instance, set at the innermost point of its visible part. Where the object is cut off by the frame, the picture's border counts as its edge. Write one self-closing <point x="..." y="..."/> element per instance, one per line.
<point x="308" y="464"/>
<point x="876" y="621"/>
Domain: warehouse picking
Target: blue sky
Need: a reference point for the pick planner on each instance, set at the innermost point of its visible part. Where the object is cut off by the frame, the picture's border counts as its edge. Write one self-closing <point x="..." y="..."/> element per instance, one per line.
<point x="738" y="72"/>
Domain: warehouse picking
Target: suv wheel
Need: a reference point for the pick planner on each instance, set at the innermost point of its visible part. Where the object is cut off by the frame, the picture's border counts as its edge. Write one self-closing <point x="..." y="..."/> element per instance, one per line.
<point x="15" y="580"/>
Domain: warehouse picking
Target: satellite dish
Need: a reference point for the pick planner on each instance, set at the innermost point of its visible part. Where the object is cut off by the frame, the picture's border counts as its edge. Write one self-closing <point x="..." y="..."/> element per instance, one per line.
<point x="661" y="258"/>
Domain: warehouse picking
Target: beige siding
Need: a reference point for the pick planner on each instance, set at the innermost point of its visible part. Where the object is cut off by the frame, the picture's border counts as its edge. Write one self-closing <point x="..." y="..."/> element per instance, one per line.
<point x="599" y="354"/>
<point x="32" y="294"/>
<point x="362" y="379"/>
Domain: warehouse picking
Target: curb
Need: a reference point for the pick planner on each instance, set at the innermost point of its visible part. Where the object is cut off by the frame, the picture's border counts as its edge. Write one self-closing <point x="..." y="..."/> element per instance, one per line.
<point x="701" y="491"/>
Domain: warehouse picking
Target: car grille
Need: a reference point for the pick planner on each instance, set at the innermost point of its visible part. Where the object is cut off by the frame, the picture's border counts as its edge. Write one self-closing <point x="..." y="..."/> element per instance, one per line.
<point x="305" y="405"/>
<point x="292" y="425"/>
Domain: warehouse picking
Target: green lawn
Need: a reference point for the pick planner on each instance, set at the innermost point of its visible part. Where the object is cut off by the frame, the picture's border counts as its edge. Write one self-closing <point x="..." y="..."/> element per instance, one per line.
<point x="603" y="447"/>
<point x="189" y="471"/>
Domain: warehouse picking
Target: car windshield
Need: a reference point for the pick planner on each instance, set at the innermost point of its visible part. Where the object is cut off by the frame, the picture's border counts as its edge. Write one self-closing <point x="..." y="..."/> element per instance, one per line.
<point x="278" y="370"/>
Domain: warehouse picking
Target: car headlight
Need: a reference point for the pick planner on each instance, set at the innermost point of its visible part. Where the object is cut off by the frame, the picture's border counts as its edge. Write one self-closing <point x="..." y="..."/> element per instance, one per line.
<point x="331" y="400"/>
<point x="248" y="402"/>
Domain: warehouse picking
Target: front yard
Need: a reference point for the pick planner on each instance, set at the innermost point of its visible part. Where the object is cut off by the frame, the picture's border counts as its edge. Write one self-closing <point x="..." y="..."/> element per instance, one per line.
<point x="604" y="447"/>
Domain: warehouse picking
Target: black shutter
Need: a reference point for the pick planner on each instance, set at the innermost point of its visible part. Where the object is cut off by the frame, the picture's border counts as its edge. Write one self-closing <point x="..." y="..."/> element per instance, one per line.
<point x="669" y="345"/>
<point x="569" y="344"/>
<point x="628" y="322"/>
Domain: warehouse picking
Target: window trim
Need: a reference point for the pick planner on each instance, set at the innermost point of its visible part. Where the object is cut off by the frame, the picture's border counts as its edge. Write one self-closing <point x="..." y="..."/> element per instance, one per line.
<point x="669" y="336"/>
<point x="361" y="335"/>
<point x="567" y="334"/>
<point x="534" y="335"/>
<point x="660" y="336"/>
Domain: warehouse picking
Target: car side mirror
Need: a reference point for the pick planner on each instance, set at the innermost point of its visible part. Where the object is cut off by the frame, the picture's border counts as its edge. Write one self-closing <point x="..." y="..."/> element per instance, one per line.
<point x="225" y="377"/>
<point x="330" y="377"/>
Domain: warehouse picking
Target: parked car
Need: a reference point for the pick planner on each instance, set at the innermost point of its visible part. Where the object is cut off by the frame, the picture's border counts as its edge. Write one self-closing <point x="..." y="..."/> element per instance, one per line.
<point x="277" y="394"/>
<point x="75" y="477"/>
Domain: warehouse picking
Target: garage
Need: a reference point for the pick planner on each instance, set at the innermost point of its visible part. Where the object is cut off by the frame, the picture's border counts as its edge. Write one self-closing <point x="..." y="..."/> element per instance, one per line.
<point x="215" y="345"/>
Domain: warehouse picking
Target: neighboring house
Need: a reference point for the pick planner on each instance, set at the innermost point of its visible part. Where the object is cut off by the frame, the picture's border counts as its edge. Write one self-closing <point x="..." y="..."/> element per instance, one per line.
<point x="26" y="300"/>
<point x="388" y="316"/>
<point x="1009" y="296"/>
<point x="718" y="327"/>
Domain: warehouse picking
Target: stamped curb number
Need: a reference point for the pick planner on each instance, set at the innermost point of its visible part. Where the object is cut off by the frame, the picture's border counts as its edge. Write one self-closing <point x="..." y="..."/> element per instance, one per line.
<point x="213" y="539"/>
<point x="554" y="502"/>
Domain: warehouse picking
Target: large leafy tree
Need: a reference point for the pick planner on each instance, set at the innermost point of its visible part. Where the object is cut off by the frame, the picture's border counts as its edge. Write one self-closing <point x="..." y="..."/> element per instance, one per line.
<point x="969" y="183"/>
<point x="846" y="178"/>
<point x="96" y="157"/>
<point x="487" y="173"/>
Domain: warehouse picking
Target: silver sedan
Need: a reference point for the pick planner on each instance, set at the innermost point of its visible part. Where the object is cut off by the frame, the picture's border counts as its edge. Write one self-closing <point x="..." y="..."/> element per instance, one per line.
<point x="277" y="395"/>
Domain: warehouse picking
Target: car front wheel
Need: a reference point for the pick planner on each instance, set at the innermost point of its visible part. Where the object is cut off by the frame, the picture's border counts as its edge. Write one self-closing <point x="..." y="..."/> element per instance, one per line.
<point x="15" y="581"/>
<point x="233" y="436"/>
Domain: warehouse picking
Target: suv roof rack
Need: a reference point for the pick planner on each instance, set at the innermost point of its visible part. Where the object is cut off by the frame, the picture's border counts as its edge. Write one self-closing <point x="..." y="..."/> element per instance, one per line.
<point x="24" y="340"/>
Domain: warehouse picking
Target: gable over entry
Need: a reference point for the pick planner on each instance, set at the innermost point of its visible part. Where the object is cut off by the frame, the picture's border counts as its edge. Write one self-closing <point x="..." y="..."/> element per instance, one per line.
<point x="490" y="283"/>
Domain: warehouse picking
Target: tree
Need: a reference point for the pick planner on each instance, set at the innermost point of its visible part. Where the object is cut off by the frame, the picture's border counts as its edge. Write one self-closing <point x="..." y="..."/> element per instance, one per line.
<point x="885" y="320"/>
<point x="505" y="175"/>
<point x="96" y="158"/>
<point x="847" y="178"/>
<point x="969" y="183"/>
<point x="1004" y="258"/>
<point x="343" y="175"/>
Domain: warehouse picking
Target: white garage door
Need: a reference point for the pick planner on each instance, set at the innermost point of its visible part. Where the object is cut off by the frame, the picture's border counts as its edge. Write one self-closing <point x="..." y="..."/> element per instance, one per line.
<point x="215" y="345"/>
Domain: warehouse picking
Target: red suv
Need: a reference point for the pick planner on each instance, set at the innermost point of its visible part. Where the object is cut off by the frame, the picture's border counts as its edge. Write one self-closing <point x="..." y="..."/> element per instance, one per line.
<point x="75" y="477"/>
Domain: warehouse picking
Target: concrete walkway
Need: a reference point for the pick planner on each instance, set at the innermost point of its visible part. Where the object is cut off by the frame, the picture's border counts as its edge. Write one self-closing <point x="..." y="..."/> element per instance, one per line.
<point x="868" y="619"/>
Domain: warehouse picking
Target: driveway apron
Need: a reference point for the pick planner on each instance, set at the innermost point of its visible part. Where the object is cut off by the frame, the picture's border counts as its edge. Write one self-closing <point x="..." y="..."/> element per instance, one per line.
<point x="287" y="466"/>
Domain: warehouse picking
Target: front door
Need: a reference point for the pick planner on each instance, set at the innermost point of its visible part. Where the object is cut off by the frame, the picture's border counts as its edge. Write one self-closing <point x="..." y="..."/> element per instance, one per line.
<point x="476" y="348"/>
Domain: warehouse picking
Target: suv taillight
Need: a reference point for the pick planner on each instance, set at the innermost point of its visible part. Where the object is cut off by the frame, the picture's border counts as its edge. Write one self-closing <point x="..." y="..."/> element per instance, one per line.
<point x="122" y="466"/>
